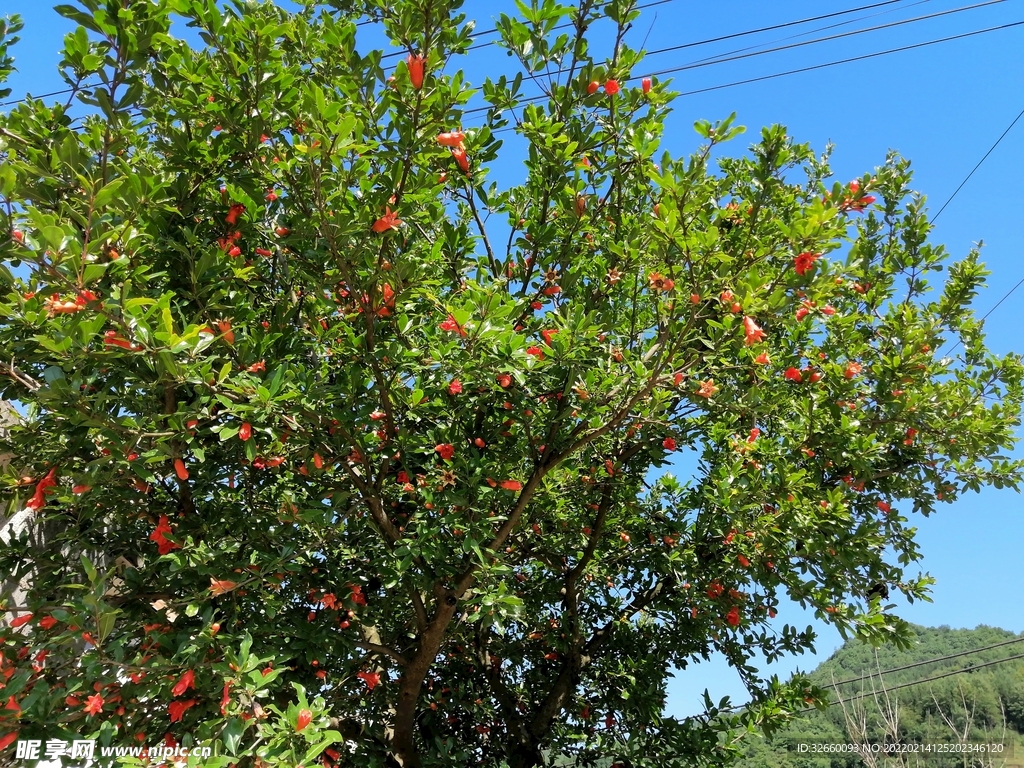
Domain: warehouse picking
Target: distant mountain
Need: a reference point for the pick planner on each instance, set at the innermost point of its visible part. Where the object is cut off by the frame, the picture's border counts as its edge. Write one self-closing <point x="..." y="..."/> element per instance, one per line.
<point x="960" y="709"/>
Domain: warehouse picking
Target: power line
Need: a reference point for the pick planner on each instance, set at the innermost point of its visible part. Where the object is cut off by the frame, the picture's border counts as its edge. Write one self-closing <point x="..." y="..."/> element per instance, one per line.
<point x="812" y="31"/>
<point x="1018" y="285"/>
<point x="719" y="60"/>
<point x="563" y="26"/>
<point x="814" y="67"/>
<point x="961" y="186"/>
<point x="922" y="663"/>
<point x="709" y="40"/>
<point x="835" y="63"/>
<point x="44" y="95"/>
<point x="396" y="54"/>
<point x="968" y="177"/>
<point x="985" y="316"/>
<point x="788" y="24"/>
<point x="932" y="678"/>
<point x="495" y="29"/>
<point x="931" y="661"/>
<point x="707" y="63"/>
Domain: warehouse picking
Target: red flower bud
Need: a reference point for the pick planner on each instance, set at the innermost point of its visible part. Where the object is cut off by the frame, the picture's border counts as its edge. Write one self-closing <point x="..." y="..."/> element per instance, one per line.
<point x="416" y="64"/>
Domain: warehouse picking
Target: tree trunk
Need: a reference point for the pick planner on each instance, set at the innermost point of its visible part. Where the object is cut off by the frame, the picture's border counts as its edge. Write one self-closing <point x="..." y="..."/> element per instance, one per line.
<point x="525" y="756"/>
<point x="403" y="741"/>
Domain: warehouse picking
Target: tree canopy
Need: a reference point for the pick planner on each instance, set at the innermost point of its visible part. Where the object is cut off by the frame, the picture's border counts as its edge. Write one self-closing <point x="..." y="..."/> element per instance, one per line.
<point x="346" y="453"/>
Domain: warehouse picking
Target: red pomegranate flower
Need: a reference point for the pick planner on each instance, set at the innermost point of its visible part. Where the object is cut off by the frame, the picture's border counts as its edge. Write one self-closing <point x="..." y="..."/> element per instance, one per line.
<point x="804" y="262"/>
<point x="38" y="500"/>
<point x="388" y="221"/>
<point x="245" y="431"/>
<point x="733" y="617"/>
<point x="188" y="680"/>
<point x="416" y="64"/>
<point x="645" y="85"/>
<point x="370" y="678"/>
<point x="707" y="388"/>
<point x="445" y="450"/>
<point x="792" y="374"/>
<point x="224" y="326"/>
<point x="511" y="485"/>
<point x="611" y="87"/>
<point x="159" y="536"/>
<point x="220" y="586"/>
<point x="752" y="330"/>
<point x="234" y="212"/>
<point x="225" y="698"/>
<point x="452" y="139"/>
<point x="177" y="709"/>
<point x="669" y="444"/>
<point x="852" y="369"/>
<point x="452" y="326"/>
<point x="460" y="157"/>
<point x="94" y="705"/>
<point x="454" y="387"/>
<point x="305" y="718"/>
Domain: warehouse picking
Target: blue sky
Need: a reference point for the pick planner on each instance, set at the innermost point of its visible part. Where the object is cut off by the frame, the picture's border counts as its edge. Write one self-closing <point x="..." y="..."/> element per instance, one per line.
<point x="941" y="105"/>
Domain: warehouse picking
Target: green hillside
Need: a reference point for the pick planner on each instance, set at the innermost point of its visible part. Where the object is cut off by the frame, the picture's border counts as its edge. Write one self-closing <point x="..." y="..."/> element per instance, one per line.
<point x="983" y="706"/>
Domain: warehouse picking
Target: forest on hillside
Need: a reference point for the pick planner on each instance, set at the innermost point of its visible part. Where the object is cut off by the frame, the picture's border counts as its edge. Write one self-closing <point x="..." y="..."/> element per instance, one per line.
<point x="942" y="691"/>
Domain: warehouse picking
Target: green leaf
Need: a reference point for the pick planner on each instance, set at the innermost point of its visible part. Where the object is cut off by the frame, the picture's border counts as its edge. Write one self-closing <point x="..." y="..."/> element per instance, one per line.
<point x="231" y="734"/>
<point x="94" y="272"/>
<point x="90" y="570"/>
<point x="327" y="738"/>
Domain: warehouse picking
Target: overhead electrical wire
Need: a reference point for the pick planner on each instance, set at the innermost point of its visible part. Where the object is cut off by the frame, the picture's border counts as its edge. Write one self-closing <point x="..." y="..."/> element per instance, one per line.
<point x="804" y="69"/>
<point x="824" y="28"/>
<point x="491" y="31"/>
<point x="840" y="61"/>
<point x="716" y="60"/>
<point x="912" y="683"/>
<point x="936" y="660"/>
<point x="396" y="54"/>
<point x="708" y="41"/>
<point x="983" y="159"/>
<point x="707" y="63"/>
<point x="648" y="5"/>
<point x="950" y="199"/>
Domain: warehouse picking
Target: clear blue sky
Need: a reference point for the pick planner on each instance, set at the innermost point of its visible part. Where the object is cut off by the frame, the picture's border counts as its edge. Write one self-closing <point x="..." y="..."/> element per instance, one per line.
<point x="942" y="106"/>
